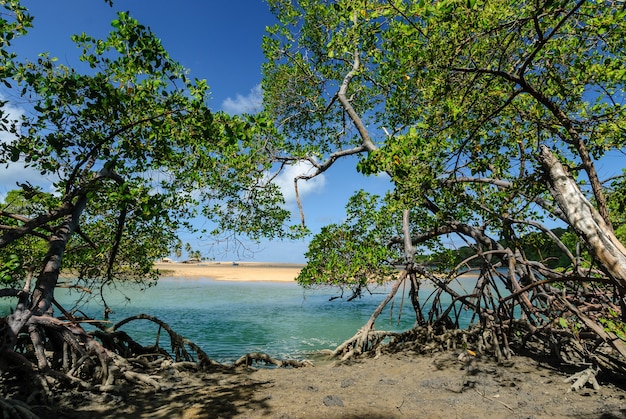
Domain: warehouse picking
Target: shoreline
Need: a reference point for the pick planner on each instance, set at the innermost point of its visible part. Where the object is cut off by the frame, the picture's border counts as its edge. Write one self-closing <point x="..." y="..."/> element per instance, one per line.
<point x="228" y="271"/>
<point x="253" y="272"/>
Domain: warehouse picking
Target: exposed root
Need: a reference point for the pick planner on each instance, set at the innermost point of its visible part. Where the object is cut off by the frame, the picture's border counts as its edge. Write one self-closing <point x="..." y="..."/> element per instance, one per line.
<point x="253" y="357"/>
<point x="179" y="344"/>
<point x="102" y="361"/>
<point x="95" y="368"/>
<point x="574" y="319"/>
<point x="367" y="339"/>
<point x="582" y="378"/>
<point x="364" y="341"/>
<point x="144" y="379"/>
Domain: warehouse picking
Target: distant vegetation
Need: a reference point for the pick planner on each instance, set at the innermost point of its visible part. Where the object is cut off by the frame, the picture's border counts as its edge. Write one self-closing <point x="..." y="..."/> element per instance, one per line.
<point x="534" y="246"/>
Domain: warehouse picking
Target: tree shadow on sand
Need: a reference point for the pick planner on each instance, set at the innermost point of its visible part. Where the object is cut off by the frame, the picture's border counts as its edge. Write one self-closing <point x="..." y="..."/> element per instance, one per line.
<point x="221" y="393"/>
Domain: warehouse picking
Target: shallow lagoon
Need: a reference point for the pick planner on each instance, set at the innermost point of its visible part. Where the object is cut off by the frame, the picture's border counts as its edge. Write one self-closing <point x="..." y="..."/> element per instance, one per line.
<point x="229" y="319"/>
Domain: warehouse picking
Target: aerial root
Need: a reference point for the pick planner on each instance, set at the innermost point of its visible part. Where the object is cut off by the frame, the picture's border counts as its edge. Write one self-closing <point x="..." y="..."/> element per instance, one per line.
<point x="582" y="378"/>
<point x="365" y="340"/>
<point x="103" y="361"/>
<point x="179" y="344"/>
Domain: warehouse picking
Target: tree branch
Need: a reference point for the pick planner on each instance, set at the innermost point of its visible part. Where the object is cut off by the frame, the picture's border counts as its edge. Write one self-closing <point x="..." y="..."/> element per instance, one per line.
<point x="556" y="211"/>
<point x="567" y="124"/>
<point x="345" y="103"/>
<point x="544" y="40"/>
<point x="29" y="226"/>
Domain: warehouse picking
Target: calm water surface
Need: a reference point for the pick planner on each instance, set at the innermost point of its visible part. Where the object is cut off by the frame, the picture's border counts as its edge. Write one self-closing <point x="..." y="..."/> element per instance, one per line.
<point x="229" y="319"/>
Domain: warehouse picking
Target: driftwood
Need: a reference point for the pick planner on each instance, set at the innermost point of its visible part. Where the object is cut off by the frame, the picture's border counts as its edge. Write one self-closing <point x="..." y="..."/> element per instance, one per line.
<point x="580" y="379"/>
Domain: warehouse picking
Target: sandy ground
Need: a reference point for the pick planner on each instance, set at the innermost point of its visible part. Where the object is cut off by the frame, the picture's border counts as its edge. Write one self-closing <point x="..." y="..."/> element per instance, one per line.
<point x="403" y="385"/>
<point x="243" y="271"/>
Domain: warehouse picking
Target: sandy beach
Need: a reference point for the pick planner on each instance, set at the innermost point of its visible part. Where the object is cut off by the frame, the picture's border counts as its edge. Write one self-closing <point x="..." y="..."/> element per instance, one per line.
<point x="227" y="271"/>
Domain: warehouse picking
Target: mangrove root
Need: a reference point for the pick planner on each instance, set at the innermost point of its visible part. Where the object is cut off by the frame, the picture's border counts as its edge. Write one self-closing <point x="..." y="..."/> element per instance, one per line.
<point x="582" y="378"/>
<point x="252" y="357"/>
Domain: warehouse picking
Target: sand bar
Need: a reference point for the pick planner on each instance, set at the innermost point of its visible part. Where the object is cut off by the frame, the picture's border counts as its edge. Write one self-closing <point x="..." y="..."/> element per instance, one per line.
<point x="227" y="271"/>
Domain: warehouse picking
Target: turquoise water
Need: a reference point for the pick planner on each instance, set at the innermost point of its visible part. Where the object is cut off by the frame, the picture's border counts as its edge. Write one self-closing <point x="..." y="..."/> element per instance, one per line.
<point x="230" y="319"/>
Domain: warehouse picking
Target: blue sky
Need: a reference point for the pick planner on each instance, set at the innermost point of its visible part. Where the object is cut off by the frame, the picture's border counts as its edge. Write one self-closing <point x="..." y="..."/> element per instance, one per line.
<point x="219" y="41"/>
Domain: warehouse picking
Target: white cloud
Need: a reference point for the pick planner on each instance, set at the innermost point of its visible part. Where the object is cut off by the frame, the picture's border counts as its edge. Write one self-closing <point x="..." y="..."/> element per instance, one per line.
<point x="12" y="113"/>
<point x="308" y="187"/>
<point x="16" y="172"/>
<point x="251" y="103"/>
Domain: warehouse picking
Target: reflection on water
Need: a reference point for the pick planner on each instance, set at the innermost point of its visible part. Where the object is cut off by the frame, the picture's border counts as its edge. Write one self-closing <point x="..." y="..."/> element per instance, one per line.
<point x="229" y="319"/>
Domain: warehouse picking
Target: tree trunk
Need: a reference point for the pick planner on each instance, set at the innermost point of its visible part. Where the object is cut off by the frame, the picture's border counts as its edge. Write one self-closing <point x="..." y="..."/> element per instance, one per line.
<point x="41" y="299"/>
<point x="49" y="276"/>
<point x="586" y="221"/>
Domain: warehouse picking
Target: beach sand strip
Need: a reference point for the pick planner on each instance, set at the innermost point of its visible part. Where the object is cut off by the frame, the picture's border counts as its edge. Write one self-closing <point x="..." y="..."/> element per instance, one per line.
<point x="228" y="271"/>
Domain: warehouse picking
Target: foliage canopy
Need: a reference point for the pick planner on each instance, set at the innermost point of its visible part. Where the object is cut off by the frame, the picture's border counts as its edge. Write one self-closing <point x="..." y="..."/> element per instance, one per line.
<point x="134" y="153"/>
<point x="452" y="99"/>
<point x="465" y="105"/>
